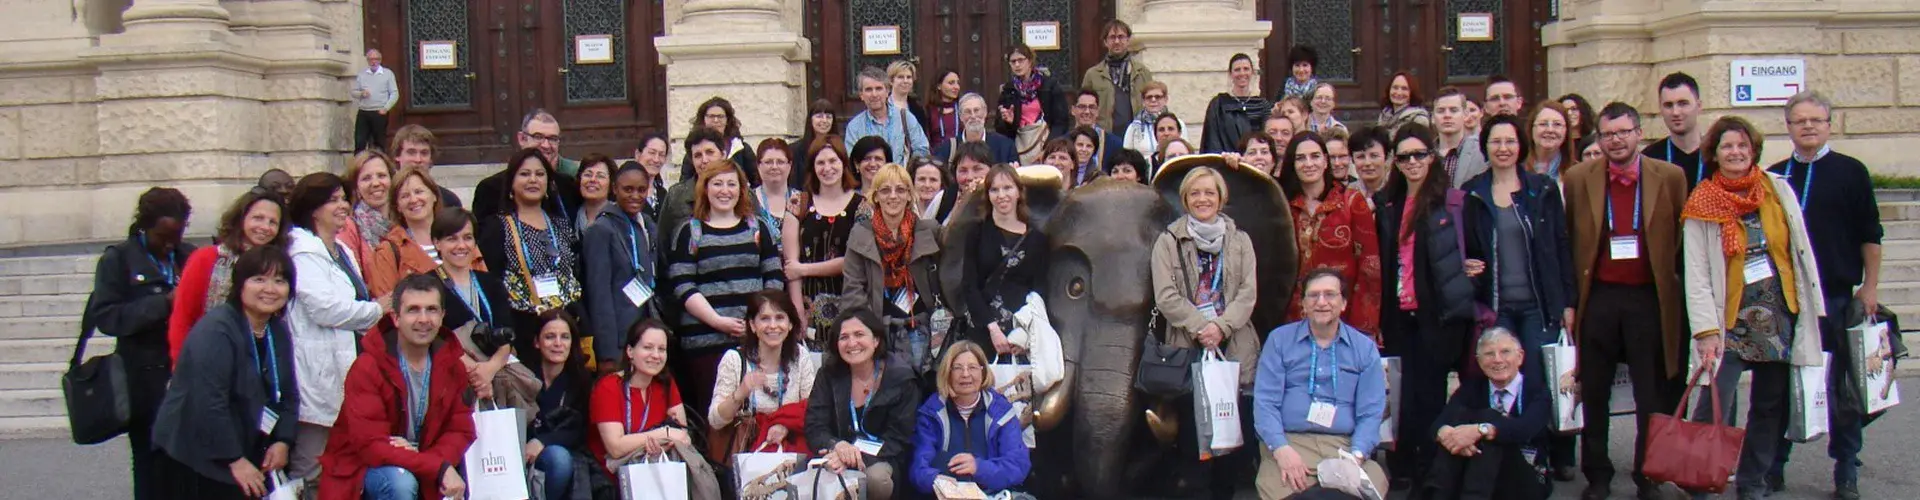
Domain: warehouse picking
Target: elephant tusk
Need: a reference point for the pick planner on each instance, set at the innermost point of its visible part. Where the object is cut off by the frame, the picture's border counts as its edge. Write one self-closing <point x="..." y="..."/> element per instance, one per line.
<point x="1164" y="422"/>
<point x="1052" y="406"/>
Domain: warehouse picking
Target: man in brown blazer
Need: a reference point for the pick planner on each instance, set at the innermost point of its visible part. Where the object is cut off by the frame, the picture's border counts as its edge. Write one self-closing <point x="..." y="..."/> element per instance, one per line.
<point x="1623" y="212"/>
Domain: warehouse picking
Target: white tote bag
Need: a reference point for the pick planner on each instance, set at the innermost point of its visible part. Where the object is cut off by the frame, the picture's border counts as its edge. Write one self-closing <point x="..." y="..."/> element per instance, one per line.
<point x="1620" y="401"/>
<point x="495" y="467"/>
<point x="653" y="479"/>
<point x="755" y="468"/>
<point x="818" y="483"/>
<point x="1873" y="366"/>
<point x="1216" y="404"/>
<point x="1014" y="379"/>
<point x="1561" y="359"/>
<point x="281" y="488"/>
<point x="1807" y="416"/>
<point x="1390" y="419"/>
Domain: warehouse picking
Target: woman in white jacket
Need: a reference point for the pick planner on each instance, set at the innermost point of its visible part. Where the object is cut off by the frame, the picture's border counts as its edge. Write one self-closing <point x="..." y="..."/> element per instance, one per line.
<point x="1753" y="291"/>
<point x="330" y="308"/>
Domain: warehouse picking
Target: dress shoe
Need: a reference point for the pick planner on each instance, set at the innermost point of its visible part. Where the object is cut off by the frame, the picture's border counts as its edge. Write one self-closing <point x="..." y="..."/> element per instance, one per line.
<point x="1596" y="491"/>
<point x="1664" y="491"/>
<point x="1846" y="491"/>
<point x="1776" y="483"/>
<point x="1563" y="473"/>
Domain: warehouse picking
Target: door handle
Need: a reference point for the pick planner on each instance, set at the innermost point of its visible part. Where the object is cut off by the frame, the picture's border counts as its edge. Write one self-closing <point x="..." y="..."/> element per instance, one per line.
<point x="565" y="70"/>
<point x="1446" y="48"/>
<point x="1356" y="51"/>
<point x="470" y="76"/>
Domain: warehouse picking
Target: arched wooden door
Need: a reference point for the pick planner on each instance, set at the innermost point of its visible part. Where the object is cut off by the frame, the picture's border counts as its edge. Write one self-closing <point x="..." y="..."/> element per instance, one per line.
<point x="967" y="36"/>
<point x="509" y="57"/>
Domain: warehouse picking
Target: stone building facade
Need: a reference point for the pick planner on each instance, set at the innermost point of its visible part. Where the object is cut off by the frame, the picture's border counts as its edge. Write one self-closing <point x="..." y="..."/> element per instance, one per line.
<point x="100" y="99"/>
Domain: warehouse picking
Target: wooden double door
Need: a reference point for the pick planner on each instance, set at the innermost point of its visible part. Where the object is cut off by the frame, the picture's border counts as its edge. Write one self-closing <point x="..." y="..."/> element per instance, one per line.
<point x="511" y="57"/>
<point x="970" y="37"/>
<point x="1363" y="43"/>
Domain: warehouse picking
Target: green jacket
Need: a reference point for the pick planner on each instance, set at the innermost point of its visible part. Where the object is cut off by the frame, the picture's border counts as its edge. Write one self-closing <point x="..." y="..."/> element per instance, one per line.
<point x="1098" y="79"/>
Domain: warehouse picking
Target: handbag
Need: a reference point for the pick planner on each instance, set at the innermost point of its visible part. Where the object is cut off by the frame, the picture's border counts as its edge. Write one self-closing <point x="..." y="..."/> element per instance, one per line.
<point x="1697" y="456"/>
<point x="1164" y="371"/>
<point x="96" y="390"/>
<point x="723" y="442"/>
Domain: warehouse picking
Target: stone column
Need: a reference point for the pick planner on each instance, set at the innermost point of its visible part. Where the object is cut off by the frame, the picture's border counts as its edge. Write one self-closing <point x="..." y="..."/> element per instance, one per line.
<point x="1188" y="43"/>
<point x="750" y="52"/>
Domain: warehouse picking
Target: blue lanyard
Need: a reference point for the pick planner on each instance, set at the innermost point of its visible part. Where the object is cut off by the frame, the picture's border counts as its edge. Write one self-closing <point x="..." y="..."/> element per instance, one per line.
<point x="1806" y="184"/>
<point x="646" y="410"/>
<point x="273" y="362"/>
<point x="1699" y="164"/>
<point x="1313" y="379"/>
<point x="1638" y="190"/>
<point x="166" y="271"/>
<point x="779" y="381"/>
<point x="415" y="419"/>
<point x="479" y="297"/>
<point x="553" y="235"/>
<point x="633" y="241"/>
<point x="857" y="413"/>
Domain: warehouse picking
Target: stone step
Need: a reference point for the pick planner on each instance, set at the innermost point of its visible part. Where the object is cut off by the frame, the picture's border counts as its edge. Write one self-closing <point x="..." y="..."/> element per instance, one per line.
<point x="32" y="403"/>
<point x="1898" y="250"/>
<point x="1900" y="230"/>
<point x="1899" y="211"/>
<point x="31" y="376"/>
<point x="52" y="284"/>
<point x="25" y="352"/>
<point x="20" y="306"/>
<point x="1896" y="195"/>
<point x="1904" y="293"/>
<point x="53" y="265"/>
<point x="40" y="327"/>
<point x="53" y="427"/>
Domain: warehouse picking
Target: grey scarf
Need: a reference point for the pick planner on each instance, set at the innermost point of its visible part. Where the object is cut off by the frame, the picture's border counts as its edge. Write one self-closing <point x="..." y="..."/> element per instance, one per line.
<point x="1208" y="237"/>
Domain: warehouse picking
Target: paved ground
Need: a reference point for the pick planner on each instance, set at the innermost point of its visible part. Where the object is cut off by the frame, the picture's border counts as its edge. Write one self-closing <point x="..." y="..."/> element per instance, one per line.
<point x="46" y="469"/>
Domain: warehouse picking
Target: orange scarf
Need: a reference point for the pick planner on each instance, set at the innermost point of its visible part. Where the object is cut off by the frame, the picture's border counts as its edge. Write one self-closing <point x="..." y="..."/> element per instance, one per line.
<point x="1715" y="201"/>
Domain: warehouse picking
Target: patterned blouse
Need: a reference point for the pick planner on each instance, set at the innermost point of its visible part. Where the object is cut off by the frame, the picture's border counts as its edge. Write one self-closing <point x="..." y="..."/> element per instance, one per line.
<point x="539" y="257"/>
<point x="1340" y="234"/>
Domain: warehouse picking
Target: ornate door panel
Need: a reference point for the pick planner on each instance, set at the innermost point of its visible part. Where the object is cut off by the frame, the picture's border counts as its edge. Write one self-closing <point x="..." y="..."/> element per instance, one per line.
<point x="460" y="104"/>
<point x="602" y="104"/>
<point x="1445" y="59"/>
<point x="1352" y="38"/>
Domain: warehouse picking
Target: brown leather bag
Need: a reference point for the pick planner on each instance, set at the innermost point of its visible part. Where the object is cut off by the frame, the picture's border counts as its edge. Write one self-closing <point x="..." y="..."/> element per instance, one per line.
<point x="1697" y="456"/>
<point x="724" y="442"/>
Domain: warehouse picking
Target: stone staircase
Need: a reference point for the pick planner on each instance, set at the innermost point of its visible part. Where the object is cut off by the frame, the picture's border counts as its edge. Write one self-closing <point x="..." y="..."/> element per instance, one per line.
<point x="1900" y="254"/>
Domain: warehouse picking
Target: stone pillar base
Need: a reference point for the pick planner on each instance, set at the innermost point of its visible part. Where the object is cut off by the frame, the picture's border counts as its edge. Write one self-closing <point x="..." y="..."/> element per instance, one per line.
<point x="760" y="73"/>
<point x="1189" y="52"/>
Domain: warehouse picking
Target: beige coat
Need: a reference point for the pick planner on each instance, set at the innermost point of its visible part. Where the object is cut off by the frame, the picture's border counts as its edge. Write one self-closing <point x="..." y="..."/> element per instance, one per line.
<point x="1173" y="287"/>
<point x="865" y="283"/>
<point x="1706" y="280"/>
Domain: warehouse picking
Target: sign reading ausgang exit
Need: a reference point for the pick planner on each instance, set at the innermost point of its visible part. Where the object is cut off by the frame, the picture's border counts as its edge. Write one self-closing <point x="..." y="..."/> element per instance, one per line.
<point x="1766" y="82"/>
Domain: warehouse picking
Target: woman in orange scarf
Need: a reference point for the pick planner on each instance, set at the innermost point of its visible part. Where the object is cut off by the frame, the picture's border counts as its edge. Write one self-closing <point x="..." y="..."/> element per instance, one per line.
<point x="1753" y="294"/>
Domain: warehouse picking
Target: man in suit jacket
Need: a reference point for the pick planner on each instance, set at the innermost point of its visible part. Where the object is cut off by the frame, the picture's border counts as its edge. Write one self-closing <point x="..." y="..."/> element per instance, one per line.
<point x="1493" y="434"/>
<point x="1623" y="215"/>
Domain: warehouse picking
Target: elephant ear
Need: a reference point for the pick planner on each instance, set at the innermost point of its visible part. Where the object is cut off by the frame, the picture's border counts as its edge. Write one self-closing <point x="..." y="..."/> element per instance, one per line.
<point x="1257" y="205"/>
<point x="1044" y="192"/>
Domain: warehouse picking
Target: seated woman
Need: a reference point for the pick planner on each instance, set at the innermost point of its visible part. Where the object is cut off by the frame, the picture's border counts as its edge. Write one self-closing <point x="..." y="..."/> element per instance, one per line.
<point x="764" y="384"/>
<point x="861" y="414"/>
<point x="638" y="412"/>
<point x="968" y="432"/>
<point x="890" y="265"/>
<point x="235" y="369"/>
<point x="482" y="307"/>
<point x="559" y="426"/>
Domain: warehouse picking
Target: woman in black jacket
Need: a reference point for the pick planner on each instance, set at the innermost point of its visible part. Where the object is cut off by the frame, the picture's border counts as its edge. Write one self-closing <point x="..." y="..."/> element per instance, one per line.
<point x="1032" y="106"/>
<point x="1427" y="307"/>
<point x="229" y="416"/>
<point x="1006" y="261"/>
<point x="559" y="428"/>
<point x="132" y="298"/>
<point x="1516" y="228"/>
<point x="861" y="414"/>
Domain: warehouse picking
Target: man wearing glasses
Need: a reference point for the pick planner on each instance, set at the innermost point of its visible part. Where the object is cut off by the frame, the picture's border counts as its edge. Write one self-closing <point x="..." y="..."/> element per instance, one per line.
<point x="1319" y="394"/>
<point x="1624" y="215"/>
<point x="1086" y="113"/>
<point x="1503" y="98"/>
<point x="1844" y="225"/>
<point x="538" y="130"/>
<point x="1118" y="79"/>
<point x="1139" y="135"/>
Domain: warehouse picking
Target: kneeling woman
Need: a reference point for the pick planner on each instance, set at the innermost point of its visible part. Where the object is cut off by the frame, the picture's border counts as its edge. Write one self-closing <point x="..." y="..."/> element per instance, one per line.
<point x="639" y="415"/>
<point x="768" y="377"/>
<point x="560" y="426"/>
<point x="968" y="432"/>
<point x="861" y="413"/>
<point x="234" y="379"/>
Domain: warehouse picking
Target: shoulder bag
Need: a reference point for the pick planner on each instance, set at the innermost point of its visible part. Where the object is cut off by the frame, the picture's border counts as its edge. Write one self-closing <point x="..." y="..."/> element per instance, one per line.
<point x="1164" y="371"/>
<point x="96" y="390"/>
<point x="1697" y="456"/>
<point x="739" y="437"/>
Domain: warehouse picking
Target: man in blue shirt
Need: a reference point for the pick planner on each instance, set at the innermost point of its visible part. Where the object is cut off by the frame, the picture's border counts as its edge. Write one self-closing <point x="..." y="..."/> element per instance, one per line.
<point x="897" y="126"/>
<point x="1319" y="393"/>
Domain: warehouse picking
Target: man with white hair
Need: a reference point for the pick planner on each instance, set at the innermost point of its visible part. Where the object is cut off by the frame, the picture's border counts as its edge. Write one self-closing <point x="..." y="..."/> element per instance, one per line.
<point x="973" y="128"/>
<point x="1493" y="434"/>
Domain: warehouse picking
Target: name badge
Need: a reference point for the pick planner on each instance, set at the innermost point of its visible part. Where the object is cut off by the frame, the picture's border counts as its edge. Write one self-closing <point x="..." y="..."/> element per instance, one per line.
<point x="268" y="419"/>
<point x="1624" y="247"/>
<point x="546" y="286"/>
<point x="1759" y="267"/>
<point x="1320" y="413"/>
<point x="904" y="300"/>
<point x="868" y="446"/>
<point x="637" y="292"/>
<point x="1208" y="310"/>
<point x="1529" y="453"/>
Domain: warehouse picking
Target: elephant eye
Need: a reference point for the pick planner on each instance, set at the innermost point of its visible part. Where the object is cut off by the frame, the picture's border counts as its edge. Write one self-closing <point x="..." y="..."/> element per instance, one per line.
<point x="1077" y="288"/>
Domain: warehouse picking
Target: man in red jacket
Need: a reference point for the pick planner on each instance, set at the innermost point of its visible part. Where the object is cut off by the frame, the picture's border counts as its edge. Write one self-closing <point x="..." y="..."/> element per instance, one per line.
<point x="404" y="422"/>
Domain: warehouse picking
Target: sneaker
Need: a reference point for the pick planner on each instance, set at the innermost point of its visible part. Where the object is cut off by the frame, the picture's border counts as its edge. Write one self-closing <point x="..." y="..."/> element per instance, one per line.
<point x="1848" y="490"/>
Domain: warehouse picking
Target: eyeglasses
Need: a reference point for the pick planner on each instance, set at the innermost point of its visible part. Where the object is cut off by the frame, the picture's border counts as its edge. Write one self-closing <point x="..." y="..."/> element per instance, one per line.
<point x="542" y="137"/>
<point x="1153" y="97"/>
<point x="1311" y="297"/>
<point x="1809" y="122"/>
<point x="1413" y="156"/>
<point x="1619" y="134"/>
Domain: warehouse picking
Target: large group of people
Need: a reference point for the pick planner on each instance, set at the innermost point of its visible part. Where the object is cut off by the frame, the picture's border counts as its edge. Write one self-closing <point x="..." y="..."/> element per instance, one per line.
<point x="791" y="291"/>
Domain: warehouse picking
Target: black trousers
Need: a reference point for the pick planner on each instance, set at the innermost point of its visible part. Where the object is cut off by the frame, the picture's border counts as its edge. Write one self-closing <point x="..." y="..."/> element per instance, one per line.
<point x="1621" y="324"/>
<point x="147" y="385"/>
<point x="1499" y="472"/>
<point x="1426" y="357"/>
<point x="369" y="129"/>
<point x="180" y="482"/>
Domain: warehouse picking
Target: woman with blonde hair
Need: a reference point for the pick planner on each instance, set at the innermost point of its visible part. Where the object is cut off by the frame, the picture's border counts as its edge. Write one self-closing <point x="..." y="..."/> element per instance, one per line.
<point x="407" y="248"/>
<point x="891" y="256"/>
<point x="968" y="430"/>
<point x="901" y="76"/>
<point x="369" y="181"/>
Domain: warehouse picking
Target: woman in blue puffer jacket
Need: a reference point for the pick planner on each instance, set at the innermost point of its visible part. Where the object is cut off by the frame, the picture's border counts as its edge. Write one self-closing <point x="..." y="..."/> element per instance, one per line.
<point x="968" y="432"/>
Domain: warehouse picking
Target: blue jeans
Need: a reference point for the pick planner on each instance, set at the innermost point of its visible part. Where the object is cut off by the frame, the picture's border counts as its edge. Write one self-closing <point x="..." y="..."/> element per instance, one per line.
<point x="1844" y="424"/>
<point x="557" y="463"/>
<point x="1529" y="323"/>
<point x="388" y="482"/>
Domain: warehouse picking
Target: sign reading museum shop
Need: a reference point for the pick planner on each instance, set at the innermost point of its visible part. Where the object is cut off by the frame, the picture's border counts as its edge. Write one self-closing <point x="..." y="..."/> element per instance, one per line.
<point x="1766" y="82"/>
<point x="439" y="54"/>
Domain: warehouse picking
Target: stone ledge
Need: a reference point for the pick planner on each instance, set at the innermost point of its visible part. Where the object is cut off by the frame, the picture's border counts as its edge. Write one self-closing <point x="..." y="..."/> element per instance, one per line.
<point x="96" y="213"/>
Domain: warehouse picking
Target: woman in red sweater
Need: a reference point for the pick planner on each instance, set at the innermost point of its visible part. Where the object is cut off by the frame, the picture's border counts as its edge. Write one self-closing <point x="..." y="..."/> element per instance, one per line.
<point x="253" y="220"/>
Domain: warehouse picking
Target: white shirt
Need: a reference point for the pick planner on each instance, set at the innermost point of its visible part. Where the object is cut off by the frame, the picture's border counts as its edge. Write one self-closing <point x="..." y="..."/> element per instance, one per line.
<point x="1513" y="395"/>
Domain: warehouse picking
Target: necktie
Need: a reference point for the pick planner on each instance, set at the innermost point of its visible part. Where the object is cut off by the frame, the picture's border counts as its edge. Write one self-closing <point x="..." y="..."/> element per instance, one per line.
<point x="1500" y="401"/>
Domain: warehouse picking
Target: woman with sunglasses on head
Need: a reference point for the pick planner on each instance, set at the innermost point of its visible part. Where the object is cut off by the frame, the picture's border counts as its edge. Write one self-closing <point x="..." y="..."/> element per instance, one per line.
<point x="1335" y="230"/>
<point x="1427" y="299"/>
<point x="257" y="218"/>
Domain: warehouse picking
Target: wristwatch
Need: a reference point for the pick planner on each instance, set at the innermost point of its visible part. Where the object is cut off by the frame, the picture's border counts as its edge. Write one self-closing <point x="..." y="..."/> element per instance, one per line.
<point x="1486" y="430"/>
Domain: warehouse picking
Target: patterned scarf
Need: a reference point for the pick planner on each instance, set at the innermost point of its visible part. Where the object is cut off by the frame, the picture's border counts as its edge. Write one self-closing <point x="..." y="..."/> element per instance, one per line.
<point x="896" y="247"/>
<point x="373" y="223"/>
<point x="221" y="282"/>
<point x="1030" y="87"/>
<point x="1715" y="201"/>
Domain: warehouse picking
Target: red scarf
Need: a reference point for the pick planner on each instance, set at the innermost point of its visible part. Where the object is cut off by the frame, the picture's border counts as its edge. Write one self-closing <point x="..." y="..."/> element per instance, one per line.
<point x="1715" y="201"/>
<point x="896" y="247"/>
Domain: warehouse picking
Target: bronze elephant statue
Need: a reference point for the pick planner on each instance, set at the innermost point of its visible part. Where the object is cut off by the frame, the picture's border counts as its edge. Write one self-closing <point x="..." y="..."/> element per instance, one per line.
<point x="1099" y="296"/>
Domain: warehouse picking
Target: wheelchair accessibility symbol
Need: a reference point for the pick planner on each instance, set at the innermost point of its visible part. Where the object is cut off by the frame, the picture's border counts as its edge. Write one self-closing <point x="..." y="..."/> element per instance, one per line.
<point x="1743" y="93"/>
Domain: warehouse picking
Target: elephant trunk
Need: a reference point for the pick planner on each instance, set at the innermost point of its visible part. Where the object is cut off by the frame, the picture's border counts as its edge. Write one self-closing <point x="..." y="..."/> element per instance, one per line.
<point x="1105" y="406"/>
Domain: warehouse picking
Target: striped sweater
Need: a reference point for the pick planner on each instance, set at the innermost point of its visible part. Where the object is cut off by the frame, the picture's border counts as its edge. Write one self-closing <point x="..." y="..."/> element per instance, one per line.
<point x="727" y="266"/>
